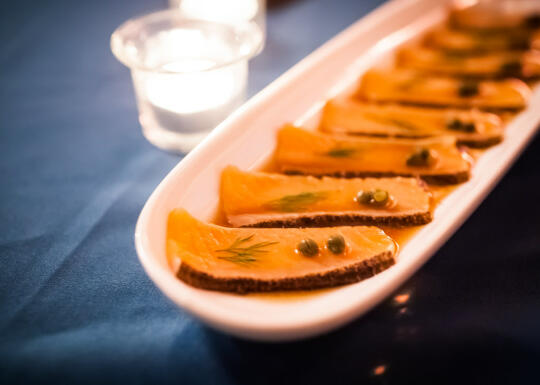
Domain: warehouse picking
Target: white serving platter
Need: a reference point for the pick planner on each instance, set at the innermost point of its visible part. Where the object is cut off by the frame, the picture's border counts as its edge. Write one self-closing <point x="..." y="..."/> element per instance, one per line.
<point x="247" y="140"/>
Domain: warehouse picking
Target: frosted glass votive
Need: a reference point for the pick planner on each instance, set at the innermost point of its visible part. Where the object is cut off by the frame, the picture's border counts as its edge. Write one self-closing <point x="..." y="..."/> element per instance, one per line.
<point x="189" y="74"/>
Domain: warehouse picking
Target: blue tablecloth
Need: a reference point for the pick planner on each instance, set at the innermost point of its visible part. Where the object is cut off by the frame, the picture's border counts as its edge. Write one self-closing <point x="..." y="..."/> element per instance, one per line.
<point x="76" y="306"/>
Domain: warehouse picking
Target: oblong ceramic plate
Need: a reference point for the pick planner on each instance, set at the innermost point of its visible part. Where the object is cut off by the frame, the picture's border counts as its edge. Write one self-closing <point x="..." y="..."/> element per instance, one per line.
<point x="247" y="140"/>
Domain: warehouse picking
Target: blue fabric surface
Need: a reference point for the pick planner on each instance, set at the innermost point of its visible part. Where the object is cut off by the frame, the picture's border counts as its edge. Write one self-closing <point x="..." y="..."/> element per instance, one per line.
<point x="76" y="306"/>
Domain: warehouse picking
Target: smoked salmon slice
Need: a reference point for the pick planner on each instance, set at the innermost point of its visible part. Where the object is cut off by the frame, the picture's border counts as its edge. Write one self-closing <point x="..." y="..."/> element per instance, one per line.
<point x="490" y="18"/>
<point x="521" y="64"/>
<point x="212" y="257"/>
<point x="469" y="41"/>
<point x="470" y="127"/>
<point x="411" y="87"/>
<point x="258" y="199"/>
<point x="437" y="160"/>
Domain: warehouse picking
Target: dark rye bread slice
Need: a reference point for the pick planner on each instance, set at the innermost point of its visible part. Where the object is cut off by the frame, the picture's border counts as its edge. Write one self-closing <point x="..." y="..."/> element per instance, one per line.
<point x="480" y="142"/>
<point x="472" y="142"/>
<point x="259" y="199"/>
<point x="300" y="152"/>
<point x="242" y="285"/>
<point x="256" y="260"/>
<point x="327" y="220"/>
<point x="434" y="179"/>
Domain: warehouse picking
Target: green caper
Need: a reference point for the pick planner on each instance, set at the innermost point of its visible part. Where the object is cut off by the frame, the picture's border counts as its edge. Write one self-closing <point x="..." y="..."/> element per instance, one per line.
<point x="469" y="127"/>
<point x="421" y="157"/>
<point x="380" y="197"/>
<point x="511" y="68"/>
<point x="468" y="88"/>
<point x="377" y="197"/>
<point x="336" y="244"/>
<point x="518" y="43"/>
<point x="454" y="124"/>
<point x="308" y="247"/>
<point x="533" y="21"/>
<point x="458" y="125"/>
<point x="364" y="197"/>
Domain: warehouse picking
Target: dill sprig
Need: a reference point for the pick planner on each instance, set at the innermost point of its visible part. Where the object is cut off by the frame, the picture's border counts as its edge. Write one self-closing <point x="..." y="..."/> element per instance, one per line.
<point x="455" y="56"/>
<point x="408" y="84"/>
<point x="296" y="202"/>
<point x="402" y="124"/>
<point x="244" y="254"/>
<point x="395" y="122"/>
<point x="341" y="152"/>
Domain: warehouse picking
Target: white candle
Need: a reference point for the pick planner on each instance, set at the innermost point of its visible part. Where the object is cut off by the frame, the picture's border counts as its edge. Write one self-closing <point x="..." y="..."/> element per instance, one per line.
<point x="193" y="91"/>
<point x="188" y="93"/>
<point x="191" y="103"/>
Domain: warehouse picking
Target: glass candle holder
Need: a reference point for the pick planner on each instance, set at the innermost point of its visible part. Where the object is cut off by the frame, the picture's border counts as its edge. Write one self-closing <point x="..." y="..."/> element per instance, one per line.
<point x="189" y="74"/>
